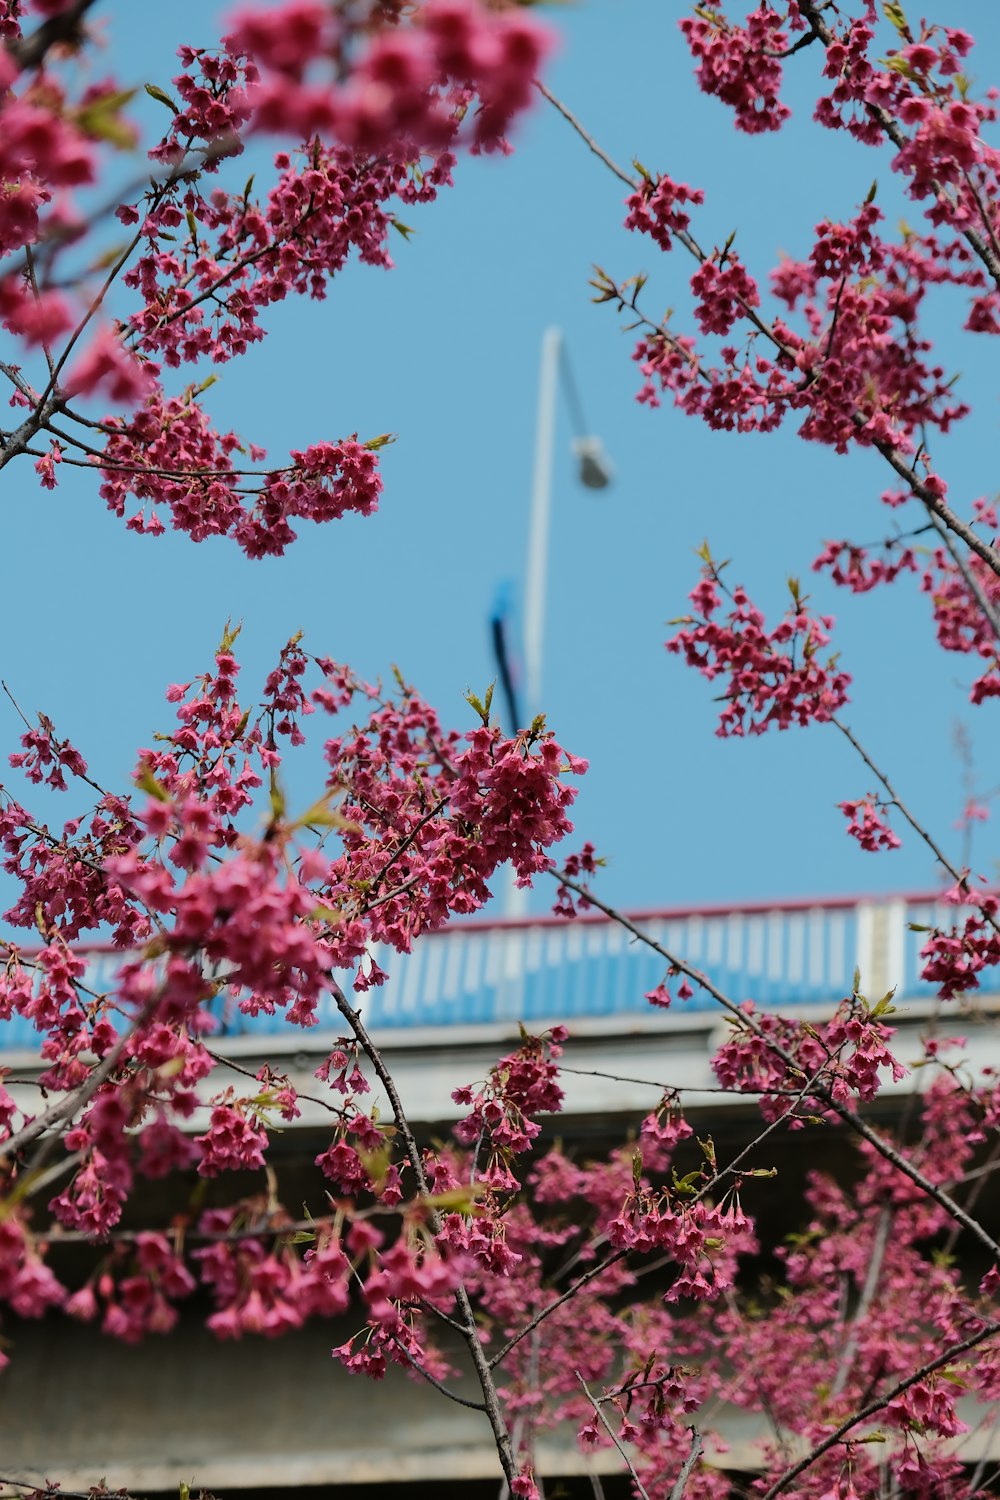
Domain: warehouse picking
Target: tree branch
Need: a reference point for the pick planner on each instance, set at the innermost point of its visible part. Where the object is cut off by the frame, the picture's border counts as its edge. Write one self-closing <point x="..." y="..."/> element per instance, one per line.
<point x="750" y="1023"/>
<point x="680" y="1484"/>
<point x="640" y="1487"/>
<point x="469" y="1330"/>
<point x="66" y="27"/>
<point x="879" y="1404"/>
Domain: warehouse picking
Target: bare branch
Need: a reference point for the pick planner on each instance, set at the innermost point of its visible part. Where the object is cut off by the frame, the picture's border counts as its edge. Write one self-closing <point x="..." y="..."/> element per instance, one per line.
<point x="640" y="1487"/>
<point x="685" y="1474"/>
<point x="470" y="1330"/>
<point x="66" y="28"/>
<point x="879" y="1404"/>
<point x="749" y="1022"/>
<point x="864" y="1301"/>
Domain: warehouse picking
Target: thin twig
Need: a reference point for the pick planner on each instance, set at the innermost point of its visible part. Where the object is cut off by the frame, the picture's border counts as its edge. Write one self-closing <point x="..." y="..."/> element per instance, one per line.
<point x="864" y="1301"/>
<point x="227" y="1062"/>
<point x="678" y="1088"/>
<point x="470" y="1331"/>
<point x="748" y="1021"/>
<point x="65" y="27"/>
<point x="960" y="877"/>
<point x="972" y="583"/>
<point x="640" y="1487"/>
<point x="680" y="1484"/>
<point x="550" y="1307"/>
<point x="879" y="1404"/>
<point x="934" y="504"/>
<point x="588" y="140"/>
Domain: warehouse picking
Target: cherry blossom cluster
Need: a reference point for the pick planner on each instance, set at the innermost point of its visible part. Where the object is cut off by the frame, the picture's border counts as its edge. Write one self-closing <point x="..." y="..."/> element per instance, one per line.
<point x="657" y="209"/>
<point x="741" y="64"/>
<point x="204" y="290"/>
<point x="46" y="758"/>
<point x="377" y="107"/>
<point x="610" y="1288"/>
<point x="799" y="1069"/>
<point x="954" y="958"/>
<point x="843" y="351"/>
<point x="856" y="371"/>
<point x="702" y="1242"/>
<point x="867" y="823"/>
<point x="208" y="911"/>
<point x="429" y="817"/>
<point x="408" y="87"/>
<point x="855" y="568"/>
<point x="168" y="455"/>
<point x="773" y="678"/>
<point x="502" y="1123"/>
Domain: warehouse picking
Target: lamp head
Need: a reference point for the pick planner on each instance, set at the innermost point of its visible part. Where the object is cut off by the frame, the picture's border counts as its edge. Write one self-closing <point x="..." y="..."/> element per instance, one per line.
<point x="595" y="471"/>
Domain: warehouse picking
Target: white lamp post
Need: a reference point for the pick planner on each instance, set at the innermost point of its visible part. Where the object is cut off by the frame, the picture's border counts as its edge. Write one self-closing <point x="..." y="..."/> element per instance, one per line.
<point x="594" y="473"/>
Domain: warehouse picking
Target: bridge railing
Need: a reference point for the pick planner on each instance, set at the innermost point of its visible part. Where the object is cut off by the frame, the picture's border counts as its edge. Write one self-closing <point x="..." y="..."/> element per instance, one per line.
<point x="480" y="973"/>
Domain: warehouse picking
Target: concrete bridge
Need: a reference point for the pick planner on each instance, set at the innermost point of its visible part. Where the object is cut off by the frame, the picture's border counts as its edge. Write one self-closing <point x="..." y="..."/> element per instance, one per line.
<point x="282" y="1414"/>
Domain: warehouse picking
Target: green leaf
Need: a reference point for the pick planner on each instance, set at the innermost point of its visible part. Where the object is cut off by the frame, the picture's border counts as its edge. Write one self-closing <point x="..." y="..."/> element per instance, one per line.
<point x="229" y="636"/>
<point x="463" y="1198"/>
<point x="102" y="120"/>
<point x="147" y="782"/>
<point x="688" y="1183"/>
<point x="885" y="1006"/>
<point x="324" y="914"/>
<point x="481" y="706"/>
<point x="382" y="441"/>
<point x="322" y="815"/>
<point x="401" y="228"/>
<point x="155" y="92"/>
<point x="105" y="261"/>
<point x="895" y="14"/>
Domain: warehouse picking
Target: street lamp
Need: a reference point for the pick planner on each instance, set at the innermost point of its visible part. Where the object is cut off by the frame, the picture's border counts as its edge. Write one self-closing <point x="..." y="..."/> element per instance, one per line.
<point x="594" y="472"/>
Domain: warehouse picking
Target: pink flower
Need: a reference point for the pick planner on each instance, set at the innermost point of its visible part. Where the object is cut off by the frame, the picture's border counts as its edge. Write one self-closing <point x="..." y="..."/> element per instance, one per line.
<point x="106" y="367"/>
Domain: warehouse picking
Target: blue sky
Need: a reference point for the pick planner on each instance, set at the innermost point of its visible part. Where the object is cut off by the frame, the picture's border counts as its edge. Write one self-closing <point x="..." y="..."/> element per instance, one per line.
<point x="443" y="351"/>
